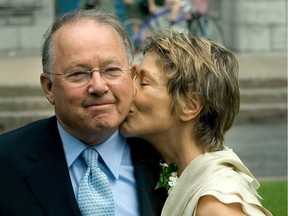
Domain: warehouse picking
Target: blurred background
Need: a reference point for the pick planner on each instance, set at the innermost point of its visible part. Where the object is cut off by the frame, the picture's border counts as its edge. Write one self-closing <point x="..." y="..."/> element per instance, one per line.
<point x="255" y="30"/>
<point x="248" y="25"/>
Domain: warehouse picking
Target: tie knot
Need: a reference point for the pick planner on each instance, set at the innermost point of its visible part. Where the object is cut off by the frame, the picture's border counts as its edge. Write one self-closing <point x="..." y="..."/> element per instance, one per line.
<point x="90" y="156"/>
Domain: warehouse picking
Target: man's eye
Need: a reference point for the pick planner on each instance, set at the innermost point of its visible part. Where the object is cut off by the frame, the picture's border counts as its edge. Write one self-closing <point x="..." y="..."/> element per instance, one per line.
<point x="112" y="70"/>
<point x="77" y="74"/>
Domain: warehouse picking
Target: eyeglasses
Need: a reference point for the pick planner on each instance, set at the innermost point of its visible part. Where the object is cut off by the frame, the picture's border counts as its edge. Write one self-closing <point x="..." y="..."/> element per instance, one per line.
<point x="83" y="77"/>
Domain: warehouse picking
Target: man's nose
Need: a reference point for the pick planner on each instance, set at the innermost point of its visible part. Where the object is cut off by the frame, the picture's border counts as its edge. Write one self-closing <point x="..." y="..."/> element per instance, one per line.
<point x="97" y="84"/>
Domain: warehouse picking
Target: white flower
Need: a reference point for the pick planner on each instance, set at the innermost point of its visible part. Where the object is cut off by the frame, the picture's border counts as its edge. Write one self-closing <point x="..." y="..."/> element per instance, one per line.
<point x="164" y="164"/>
<point x="173" y="180"/>
<point x="174" y="174"/>
<point x="168" y="176"/>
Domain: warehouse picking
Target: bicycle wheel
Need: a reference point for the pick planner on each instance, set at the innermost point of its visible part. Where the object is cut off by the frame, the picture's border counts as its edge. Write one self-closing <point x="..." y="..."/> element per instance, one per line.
<point x="207" y="26"/>
<point x="137" y="32"/>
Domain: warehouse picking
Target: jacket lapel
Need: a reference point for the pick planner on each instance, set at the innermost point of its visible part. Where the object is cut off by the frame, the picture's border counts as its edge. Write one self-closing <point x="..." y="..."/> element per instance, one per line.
<point x="146" y="162"/>
<point x="48" y="177"/>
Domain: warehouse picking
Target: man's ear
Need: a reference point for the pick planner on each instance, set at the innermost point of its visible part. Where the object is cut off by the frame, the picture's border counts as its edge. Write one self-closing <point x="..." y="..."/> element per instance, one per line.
<point x="46" y="85"/>
<point x="188" y="112"/>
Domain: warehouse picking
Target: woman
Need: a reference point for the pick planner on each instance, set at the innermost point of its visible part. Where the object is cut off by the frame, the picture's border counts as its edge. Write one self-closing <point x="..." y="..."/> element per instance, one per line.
<point x="186" y="99"/>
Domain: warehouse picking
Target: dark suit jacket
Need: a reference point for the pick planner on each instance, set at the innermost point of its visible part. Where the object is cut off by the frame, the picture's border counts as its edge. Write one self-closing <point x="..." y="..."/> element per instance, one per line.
<point x="34" y="178"/>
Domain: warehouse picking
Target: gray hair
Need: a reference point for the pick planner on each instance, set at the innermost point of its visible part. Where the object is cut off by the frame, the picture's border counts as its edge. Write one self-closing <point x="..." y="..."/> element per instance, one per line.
<point x="73" y="17"/>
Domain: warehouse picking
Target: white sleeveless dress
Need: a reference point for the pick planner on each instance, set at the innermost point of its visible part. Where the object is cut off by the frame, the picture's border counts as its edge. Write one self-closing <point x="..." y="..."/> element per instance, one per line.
<point x="220" y="174"/>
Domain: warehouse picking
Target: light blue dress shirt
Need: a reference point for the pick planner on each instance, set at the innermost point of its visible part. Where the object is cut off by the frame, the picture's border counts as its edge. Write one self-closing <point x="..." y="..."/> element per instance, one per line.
<point x="115" y="162"/>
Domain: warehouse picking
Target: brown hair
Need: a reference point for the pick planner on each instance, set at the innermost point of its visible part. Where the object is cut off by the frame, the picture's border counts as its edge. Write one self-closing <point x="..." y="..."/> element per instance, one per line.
<point x="202" y="70"/>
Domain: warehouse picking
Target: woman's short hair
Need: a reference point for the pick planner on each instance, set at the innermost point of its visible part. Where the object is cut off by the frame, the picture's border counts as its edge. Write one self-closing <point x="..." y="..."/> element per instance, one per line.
<point x="75" y="16"/>
<point x="202" y="70"/>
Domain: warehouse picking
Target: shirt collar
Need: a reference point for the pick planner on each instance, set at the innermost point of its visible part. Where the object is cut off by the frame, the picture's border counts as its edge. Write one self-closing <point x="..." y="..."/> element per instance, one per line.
<point x="111" y="151"/>
<point x="72" y="146"/>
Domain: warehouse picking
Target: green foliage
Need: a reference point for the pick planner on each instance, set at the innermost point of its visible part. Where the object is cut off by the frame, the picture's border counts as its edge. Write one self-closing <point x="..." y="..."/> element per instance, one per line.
<point x="274" y="194"/>
<point x="166" y="172"/>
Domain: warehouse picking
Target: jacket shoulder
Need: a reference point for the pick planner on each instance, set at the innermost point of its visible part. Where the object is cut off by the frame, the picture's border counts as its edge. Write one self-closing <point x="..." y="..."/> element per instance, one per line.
<point x="15" y="138"/>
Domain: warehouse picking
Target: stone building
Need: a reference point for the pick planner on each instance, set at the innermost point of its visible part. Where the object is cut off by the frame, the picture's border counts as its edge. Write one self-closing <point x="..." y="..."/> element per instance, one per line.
<point x="248" y="25"/>
<point x="22" y="25"/>
<point x="254" y="25"/>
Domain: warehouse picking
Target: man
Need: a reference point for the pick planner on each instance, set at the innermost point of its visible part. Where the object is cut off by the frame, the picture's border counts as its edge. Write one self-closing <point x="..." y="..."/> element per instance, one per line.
<point x="87" y="63"/>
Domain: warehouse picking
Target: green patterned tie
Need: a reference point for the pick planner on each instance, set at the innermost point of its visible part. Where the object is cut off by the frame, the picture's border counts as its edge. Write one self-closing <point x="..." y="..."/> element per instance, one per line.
<point x="95" y="196"/>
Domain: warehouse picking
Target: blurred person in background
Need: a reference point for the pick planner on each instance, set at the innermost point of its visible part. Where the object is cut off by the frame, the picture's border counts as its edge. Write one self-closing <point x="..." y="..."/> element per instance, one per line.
<point x="65" y="6"/>
<point x="143" y="8"/>
<point x="202" y="6"/>
<point x="116" y="7"/>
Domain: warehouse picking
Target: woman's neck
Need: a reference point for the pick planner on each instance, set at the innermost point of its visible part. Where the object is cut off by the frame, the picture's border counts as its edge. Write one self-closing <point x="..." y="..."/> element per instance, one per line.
<point x="180" y="148"/>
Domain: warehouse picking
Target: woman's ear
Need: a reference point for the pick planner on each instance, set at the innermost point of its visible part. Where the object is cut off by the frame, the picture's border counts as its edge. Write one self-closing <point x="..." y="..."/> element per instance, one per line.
<point x="46" y="85"/>
<point x="188" y="112"/>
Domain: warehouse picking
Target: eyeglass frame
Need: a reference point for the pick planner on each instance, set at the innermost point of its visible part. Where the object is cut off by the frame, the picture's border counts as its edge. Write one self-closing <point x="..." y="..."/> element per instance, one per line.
<point x="90" y="74"/>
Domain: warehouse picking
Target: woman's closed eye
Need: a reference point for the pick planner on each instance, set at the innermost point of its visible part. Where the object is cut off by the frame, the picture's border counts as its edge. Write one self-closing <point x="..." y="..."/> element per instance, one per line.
<point x="143" y="83"/>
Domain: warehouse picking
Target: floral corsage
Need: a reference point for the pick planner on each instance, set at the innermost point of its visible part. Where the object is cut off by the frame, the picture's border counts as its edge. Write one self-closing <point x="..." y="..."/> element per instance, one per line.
<point x="168" y="176"/>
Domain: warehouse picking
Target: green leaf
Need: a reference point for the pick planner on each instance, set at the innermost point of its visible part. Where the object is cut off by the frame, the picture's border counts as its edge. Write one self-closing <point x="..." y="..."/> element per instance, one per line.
<point x="165" y="173"/>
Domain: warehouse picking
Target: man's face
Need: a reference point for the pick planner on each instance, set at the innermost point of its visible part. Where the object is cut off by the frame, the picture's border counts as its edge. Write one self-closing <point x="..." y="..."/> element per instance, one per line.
<point x="93" y="110"/>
